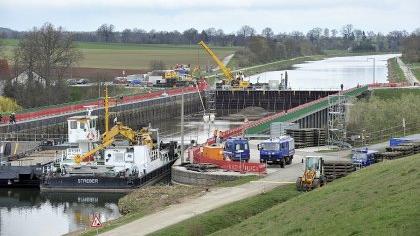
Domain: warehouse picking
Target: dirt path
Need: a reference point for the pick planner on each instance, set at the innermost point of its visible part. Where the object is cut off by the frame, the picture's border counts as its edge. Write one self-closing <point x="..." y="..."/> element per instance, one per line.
<point x="411" y="78"/>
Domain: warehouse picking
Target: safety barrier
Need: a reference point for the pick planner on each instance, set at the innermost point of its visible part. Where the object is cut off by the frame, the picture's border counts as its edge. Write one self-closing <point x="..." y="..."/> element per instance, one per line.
<point x="74" y="107"/>
<point x="242" y="167"/>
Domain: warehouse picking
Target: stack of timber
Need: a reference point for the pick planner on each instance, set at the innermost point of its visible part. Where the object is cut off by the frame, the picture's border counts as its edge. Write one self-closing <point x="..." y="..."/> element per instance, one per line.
<point x="402" y="150"/>
<point x="311" y="137"/>
<point x="337" y="169"/>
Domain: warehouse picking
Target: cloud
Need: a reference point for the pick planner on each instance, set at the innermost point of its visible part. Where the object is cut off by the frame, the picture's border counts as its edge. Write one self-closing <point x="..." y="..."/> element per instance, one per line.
<point x="281" y="15"/>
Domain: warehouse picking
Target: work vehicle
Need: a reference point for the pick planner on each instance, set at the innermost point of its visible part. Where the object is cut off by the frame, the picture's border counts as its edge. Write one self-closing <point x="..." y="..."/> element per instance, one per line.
<point x="237" y="149"/>
<point x="363" y="157"/>
<point x="237" y="81"/>
<point x="313" y="176"/>
<point x="277" y="151"/>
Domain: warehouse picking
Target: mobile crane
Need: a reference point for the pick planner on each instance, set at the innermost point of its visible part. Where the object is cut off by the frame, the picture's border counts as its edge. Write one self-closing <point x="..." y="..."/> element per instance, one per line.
<point x="234" y="81"/>
<point x="108" y="137"/>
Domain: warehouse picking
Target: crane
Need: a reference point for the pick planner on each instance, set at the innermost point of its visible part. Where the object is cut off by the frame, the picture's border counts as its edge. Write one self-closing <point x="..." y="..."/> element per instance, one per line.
<point x="230" y="79"/>
<point x="108" y="137"/>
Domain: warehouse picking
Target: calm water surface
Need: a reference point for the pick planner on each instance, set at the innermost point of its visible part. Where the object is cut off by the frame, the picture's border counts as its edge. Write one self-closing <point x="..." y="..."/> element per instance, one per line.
<point x="331" y="72"/>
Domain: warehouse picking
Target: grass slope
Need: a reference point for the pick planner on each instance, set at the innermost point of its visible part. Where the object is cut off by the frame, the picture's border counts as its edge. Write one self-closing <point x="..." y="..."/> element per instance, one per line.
<point x="395" y="73"/>
<point x="379" y="200"/>
<point x="395" y="92"/>
<point x="230" y="214"/>
<point x="138" y="56"/>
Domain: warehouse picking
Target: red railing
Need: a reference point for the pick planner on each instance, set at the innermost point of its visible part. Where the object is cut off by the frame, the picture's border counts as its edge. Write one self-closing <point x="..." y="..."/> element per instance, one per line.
<point x="53" y="111"/>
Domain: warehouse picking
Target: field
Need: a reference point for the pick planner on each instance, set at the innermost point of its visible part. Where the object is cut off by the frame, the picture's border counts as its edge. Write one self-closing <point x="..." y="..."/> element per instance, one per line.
<point x="416" y="69"/>
<point x="378" y="200"/>
<point x="139" y="56"/>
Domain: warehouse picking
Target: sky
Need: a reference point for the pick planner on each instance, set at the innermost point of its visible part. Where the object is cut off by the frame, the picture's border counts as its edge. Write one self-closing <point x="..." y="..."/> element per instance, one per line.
<point x="229" y="15"/>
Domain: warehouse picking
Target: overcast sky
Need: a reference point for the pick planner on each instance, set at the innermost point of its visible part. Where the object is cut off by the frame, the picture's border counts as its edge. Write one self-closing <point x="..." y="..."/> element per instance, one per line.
<point x="229" y="15"/>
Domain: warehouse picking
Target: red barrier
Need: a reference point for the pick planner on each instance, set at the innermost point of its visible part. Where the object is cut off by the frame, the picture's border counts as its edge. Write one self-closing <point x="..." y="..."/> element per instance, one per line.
<point x="228" y="165"/>
<point x="202" y="85"/>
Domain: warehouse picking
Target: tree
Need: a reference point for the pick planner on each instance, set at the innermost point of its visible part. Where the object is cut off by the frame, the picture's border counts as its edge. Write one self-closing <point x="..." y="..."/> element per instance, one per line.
<point x="8" y="105"/>
<point x="246" y="31"/>
<point x="191" y="35"/>
<point x="126" y="36"/>
<point x="346" y="31"/>
<point x="105" y="33"/>
<point x="326" y="33"/>
<point x="267" y="33"/>
<point x="334" y="33"/>
<point x="48" y="52"/>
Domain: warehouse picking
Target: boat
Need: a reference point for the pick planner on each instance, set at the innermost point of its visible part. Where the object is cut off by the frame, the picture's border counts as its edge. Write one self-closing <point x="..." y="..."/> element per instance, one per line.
<point x="107" y="163"/>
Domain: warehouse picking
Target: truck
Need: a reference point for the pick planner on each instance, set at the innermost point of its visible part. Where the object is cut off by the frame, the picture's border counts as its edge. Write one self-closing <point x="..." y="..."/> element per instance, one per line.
<point x="362" y="157"/>
<point x="237" y="149"/>
<point x="277" y="150"/>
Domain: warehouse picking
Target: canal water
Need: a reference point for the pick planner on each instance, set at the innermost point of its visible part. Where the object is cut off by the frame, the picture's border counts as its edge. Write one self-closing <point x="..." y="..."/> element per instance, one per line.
<point x="332" y="72"/>
<point x="29" y="212"/>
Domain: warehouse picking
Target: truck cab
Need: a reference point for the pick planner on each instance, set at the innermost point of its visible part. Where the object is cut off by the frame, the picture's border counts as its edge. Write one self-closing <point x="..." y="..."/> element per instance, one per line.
<point x="363" y="157"/>
<point x="237" y="149"/>
<point x="277" y="151"/>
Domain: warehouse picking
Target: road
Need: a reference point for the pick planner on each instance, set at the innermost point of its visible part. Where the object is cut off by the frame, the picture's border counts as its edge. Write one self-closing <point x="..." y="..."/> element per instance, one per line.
<point x="411" y="78"/>
<point x="218" y="197"/>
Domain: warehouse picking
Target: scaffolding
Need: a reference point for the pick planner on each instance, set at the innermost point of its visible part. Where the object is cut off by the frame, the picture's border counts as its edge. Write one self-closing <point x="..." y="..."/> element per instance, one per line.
<point x="337" y="129"/>
<point x="211" y="101"/>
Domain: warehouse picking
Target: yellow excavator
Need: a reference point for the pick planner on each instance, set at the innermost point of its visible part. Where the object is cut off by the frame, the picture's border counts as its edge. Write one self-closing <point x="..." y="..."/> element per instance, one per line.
<point x="108" y="137"/>
<point x="236" y="81"/>
<point x="313" y="176"/>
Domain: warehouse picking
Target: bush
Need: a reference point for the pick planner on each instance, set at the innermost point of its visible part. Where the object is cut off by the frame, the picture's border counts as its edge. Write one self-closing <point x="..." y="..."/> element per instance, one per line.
<point x="8" y="105"/>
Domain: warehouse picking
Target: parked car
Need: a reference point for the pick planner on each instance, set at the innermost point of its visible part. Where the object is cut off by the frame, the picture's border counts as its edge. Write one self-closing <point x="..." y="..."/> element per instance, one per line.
<point x="82" y="81"/>
<point x="71" y="82"/>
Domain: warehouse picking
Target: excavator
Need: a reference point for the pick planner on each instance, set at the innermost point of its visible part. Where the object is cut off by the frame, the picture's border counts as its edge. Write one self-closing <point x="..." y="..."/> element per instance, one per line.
<point x="236" y="81"/>
<point x="313" y="176"/>
<point x="108" y="137"/>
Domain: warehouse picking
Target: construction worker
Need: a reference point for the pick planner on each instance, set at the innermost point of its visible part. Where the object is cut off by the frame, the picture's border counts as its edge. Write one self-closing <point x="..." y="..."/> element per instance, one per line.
<point x="12" y="118"/>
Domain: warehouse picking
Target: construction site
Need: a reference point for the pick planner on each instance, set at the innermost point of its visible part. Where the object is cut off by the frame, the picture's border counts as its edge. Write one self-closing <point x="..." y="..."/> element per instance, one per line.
<point x="245" y="134"/>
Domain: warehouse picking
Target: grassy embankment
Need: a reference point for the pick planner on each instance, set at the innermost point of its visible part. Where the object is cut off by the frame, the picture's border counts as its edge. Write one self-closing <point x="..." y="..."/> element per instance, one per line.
<point x="381" y="116"/>
<point x="148" y="200"/>
<point x="395" y="73"/>
<point x="358" y="204"/>
<point x="138" y="56"/>
<point x="415" y="67"/>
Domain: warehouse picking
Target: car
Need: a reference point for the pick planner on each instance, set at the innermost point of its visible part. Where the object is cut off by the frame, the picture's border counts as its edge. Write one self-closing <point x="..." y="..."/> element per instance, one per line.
<point x="82" y="81"/>
<point x="71" y="82"/>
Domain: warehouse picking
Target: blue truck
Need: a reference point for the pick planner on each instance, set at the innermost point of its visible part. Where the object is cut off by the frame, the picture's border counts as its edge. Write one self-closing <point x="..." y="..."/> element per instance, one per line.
<point x="237" y="149"/>
<point x="362" y="157"/>
<point x="277" y="150"/>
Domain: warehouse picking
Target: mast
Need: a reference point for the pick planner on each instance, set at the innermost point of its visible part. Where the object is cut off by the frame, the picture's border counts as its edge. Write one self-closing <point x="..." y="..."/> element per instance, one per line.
<point x="106" y="107"/>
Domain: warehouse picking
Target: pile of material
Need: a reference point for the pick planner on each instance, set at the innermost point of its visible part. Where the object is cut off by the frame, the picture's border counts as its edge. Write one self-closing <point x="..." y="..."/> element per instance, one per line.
<point x="203" y="167"/>
<point x="307" y="137"/>
<point x="337" y="169"/>
<point x="250" y="113"/>
<point x="402" y="150"/>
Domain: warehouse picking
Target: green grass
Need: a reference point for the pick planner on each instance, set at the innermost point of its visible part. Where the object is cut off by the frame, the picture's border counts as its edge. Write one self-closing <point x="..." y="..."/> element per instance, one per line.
<point x="138" y="56"/>
<point x="394" y="93"/>
<point x="230" y="214"/>
<point x="242" y="180"/>
<point x="379" y="200"/>
<point x="395" y="73"/>
<point x="416" y="69"/>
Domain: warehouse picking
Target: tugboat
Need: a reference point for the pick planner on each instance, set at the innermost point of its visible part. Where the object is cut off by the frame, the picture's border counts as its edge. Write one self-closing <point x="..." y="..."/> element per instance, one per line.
<point x="100" y="163"/>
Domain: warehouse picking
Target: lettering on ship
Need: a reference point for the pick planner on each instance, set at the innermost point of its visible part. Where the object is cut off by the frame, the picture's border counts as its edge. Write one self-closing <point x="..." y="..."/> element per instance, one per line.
<point x="87" y="181"/>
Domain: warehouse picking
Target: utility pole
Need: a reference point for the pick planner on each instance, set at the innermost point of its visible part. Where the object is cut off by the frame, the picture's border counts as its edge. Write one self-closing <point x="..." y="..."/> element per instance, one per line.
<point x="374" y="67"/>
<point x="182" y="127"/>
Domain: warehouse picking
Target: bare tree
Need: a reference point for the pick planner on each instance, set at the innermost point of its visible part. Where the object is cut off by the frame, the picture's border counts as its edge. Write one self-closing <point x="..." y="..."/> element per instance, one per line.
<point x="347" y="31"/>
<point x="246" y="31"/>
<point x="267" y="33"/>
<point x="48" y="52"/>
<point x="106" y="32"/>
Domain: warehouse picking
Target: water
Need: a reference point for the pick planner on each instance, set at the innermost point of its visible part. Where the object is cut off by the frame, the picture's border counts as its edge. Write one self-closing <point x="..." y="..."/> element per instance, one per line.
<point x="30" y="212"/>
<point x="332" y="72"/>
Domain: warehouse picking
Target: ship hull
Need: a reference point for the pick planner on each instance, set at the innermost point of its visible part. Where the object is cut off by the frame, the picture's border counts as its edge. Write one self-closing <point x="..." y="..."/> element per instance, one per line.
<point x="90" y="183"/>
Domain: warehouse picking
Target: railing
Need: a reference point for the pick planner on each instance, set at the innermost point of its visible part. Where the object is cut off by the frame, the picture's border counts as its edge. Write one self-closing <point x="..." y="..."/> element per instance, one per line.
<point x="80" y="106"/>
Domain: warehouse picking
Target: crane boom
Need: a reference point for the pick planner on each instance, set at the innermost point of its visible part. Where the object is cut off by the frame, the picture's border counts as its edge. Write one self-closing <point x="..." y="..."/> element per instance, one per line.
<point x="226" y="71"/>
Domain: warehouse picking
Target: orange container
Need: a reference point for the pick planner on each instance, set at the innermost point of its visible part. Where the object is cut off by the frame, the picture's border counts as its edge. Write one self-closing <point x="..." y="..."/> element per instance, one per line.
<point x="213" y="151"/>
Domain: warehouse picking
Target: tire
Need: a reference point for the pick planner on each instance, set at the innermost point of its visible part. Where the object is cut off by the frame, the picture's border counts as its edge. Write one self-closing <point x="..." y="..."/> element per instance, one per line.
<point x="299" y="184"/>
<point x="282" y="163"/>
<point x="289" y="160"/>
<point x="316" y="183"/>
